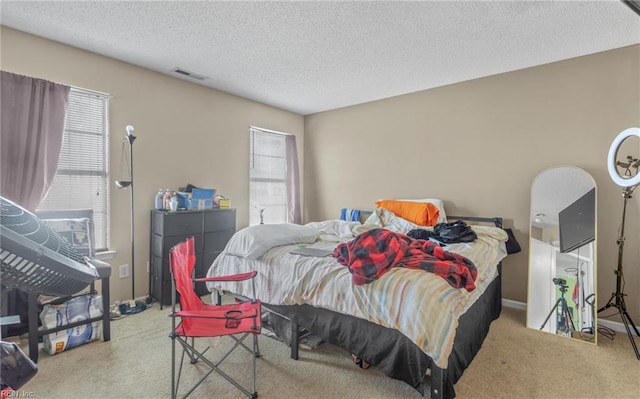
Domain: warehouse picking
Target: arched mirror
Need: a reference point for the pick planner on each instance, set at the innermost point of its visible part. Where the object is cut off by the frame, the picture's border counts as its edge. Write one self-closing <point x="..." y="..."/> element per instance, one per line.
<point x="562" y="254"/>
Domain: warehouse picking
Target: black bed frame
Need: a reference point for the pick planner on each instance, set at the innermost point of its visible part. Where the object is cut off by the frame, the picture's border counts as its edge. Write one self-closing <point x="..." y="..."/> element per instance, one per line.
<point x="395" y="354"/>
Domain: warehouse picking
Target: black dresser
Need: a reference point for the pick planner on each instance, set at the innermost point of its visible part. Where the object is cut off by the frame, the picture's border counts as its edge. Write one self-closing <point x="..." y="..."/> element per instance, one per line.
<point x="211" y="229"/>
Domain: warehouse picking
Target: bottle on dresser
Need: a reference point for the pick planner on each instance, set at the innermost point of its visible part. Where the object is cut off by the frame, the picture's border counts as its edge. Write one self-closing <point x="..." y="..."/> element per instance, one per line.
<point x="159" y="201"/>
<point x="166" y="200"/>
<point x="174" y="202"/>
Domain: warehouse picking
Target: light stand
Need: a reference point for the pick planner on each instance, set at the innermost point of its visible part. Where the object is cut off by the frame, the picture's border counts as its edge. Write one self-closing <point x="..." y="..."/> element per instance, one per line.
<point x="630" y="183"/>
<point x="129" y="184"/>
<point x="617" y="298"/>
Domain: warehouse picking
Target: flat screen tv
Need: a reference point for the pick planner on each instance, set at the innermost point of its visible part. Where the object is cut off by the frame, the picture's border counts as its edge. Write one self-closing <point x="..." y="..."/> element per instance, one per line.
<point x="577" y="222"/>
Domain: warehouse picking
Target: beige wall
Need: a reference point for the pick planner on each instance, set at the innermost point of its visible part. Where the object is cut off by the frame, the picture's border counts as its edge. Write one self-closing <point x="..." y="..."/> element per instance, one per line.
<point x="186" y="134"/>
<point x="478" y="145"/>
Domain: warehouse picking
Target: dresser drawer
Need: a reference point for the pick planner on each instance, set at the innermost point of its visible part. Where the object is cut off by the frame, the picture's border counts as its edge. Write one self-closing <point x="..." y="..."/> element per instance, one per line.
<point x="158" y="269"/>
<point x="200" y="271"/>
<point x="217" y="240"/>
<point x="160" y="246"/>
<point x="177" y="223"/>
<point x="161" y="291"/>
<point x="219" y="220"/>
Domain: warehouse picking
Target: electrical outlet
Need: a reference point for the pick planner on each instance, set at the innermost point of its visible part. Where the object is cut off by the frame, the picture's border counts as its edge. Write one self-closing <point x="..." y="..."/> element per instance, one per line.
<point x="124" y="271"/>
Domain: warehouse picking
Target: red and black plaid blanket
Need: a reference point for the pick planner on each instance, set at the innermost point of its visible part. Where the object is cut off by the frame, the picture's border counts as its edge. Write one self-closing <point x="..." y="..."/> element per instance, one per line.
<point x="372" y="253"/>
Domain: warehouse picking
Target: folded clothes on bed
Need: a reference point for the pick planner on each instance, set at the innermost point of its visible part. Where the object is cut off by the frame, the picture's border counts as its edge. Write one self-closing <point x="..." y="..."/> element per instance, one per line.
<point x="372" y="253"/>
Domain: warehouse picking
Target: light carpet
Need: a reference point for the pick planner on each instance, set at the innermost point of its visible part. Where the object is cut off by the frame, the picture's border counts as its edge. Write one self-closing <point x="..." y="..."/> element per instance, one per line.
<point x="514" y="362"/>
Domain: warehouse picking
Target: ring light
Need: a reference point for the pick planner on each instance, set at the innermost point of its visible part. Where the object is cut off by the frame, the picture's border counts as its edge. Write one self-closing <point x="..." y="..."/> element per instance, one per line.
<point x="611" y="160"/>
<point x="629" y="183"/>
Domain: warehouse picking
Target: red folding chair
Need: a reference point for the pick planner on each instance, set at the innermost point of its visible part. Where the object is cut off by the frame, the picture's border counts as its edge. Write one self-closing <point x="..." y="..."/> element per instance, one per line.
<point x="197" y="319"/>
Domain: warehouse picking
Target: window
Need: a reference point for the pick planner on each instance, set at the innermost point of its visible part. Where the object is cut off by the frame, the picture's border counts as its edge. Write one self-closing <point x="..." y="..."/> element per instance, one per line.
<point x="82" y="178"/>
<point x="268" y="177"/>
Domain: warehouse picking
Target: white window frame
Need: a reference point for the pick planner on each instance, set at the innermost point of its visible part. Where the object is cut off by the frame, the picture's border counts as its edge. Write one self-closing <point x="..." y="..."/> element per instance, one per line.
<point x="275" y="207"/>
<point x="82" y="182"/>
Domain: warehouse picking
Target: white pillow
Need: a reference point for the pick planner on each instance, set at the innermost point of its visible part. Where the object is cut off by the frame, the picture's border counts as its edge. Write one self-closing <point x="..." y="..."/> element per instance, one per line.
<point x="338" y="228"/>
<point x="382" y="217"/>
<point x="442" y="216"/>
<point x="253" y="241"/>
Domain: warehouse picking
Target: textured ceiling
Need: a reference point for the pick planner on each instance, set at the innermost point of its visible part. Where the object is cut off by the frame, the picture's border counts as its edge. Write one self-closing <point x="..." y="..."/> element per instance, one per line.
<point x="556" y="188"/>
<point x="313" y="56"/>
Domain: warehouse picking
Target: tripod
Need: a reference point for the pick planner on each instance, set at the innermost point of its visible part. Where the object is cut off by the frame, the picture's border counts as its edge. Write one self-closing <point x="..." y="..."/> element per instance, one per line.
<point x="617" y="298"/>
<point x="564" y="322"/>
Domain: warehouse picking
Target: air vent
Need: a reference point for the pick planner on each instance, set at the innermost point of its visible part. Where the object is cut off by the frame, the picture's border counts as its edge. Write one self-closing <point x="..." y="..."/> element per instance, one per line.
<point x="189" y="74"/>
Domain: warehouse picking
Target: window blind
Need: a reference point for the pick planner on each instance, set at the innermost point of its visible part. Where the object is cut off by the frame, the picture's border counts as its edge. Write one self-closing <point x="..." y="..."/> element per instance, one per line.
<point x="268" y="177"/>
<point x="82" y="178"/>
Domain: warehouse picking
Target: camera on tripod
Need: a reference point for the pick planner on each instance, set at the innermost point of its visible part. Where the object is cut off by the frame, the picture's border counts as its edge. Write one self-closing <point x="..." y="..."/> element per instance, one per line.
<point x="564" y="319"/>
<point x="559" y="281"/>
<point x="562" y="283"/>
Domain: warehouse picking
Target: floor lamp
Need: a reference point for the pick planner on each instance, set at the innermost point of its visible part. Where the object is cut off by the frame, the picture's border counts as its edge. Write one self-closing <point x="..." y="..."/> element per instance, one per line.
<point x="629" y="180"/>
<point x="129" y="184"/>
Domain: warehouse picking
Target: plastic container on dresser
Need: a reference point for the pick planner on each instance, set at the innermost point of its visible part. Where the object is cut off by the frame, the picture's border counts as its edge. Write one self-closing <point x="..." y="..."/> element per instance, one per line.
<point x="159" y="200"/>
<point x="211" y="229"/>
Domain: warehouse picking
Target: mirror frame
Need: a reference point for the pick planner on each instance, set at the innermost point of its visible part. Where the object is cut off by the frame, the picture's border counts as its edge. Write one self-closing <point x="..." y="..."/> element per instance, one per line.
<point x="549" y="254"/>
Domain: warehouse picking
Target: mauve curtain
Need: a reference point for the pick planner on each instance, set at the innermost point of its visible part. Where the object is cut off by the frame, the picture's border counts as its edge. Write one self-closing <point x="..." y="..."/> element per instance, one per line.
<point x="293" y="181"/>
<point x="32" y="113"/>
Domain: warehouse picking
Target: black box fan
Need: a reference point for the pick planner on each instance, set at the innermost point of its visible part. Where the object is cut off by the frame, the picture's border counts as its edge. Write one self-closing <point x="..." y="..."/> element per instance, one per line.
<point x="37" y="259"/>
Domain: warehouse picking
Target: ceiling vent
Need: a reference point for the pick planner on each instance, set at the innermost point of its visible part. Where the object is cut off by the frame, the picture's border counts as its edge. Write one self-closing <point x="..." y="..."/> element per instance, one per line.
<point x="191" y="75"/>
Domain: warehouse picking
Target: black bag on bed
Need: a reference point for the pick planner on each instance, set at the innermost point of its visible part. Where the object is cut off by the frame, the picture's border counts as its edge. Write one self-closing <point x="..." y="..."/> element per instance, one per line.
<point x="512" y="244"/>
<point x="457" y="231"/>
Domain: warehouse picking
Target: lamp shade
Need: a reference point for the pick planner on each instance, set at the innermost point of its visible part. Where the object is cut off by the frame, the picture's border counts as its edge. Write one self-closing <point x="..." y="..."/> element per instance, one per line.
<point x="123" y="183"/>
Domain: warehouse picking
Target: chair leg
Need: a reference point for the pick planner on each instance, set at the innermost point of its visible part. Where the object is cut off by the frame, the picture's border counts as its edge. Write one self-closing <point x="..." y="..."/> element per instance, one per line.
<point x="256" y="354"/>
<point x="295" y="344"/>
<point x="106" y="313"/>
<point x="175" y="377"/>
<point x="174" y="389"/>
<point x="253" y="351"/>
<point x="190" y="351"/>
<point x="204" y="359"/>
<point x="256" y="350"/>
<point x="193" y="358"/>
<point x="33" y="326"/>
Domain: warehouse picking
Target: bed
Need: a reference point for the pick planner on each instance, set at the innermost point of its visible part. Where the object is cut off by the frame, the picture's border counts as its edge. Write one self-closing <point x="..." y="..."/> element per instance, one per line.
<point x="423" y="340"/>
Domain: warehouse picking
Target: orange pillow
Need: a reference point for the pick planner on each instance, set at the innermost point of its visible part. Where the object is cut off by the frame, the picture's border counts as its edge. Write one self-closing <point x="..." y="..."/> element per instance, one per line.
<point x="420" y="213"/>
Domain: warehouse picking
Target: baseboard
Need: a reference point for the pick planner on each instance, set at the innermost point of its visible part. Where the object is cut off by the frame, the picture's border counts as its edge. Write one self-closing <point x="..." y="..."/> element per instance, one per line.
<point x="508" y="303"/>
<point x="614" y="325"/>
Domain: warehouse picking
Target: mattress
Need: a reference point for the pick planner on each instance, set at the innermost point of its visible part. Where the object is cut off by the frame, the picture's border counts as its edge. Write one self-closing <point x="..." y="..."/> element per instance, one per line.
<point x="420" y="305"/>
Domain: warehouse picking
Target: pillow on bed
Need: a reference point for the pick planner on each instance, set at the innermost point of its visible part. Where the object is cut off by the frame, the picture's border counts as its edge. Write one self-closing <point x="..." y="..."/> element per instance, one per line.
<point x="331" y="230"/>
<point x="253" y="241"/>
<point x="442" y="217"/>
<point x="382" y="217"/>
<point x="420" y="213"/>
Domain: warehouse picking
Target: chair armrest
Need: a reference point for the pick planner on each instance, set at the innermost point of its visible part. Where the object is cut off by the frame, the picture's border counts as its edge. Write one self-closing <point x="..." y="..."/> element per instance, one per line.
<point x="233" y="277"/>
<point x="207" y="314"/>
<point x="104" y="269"/>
